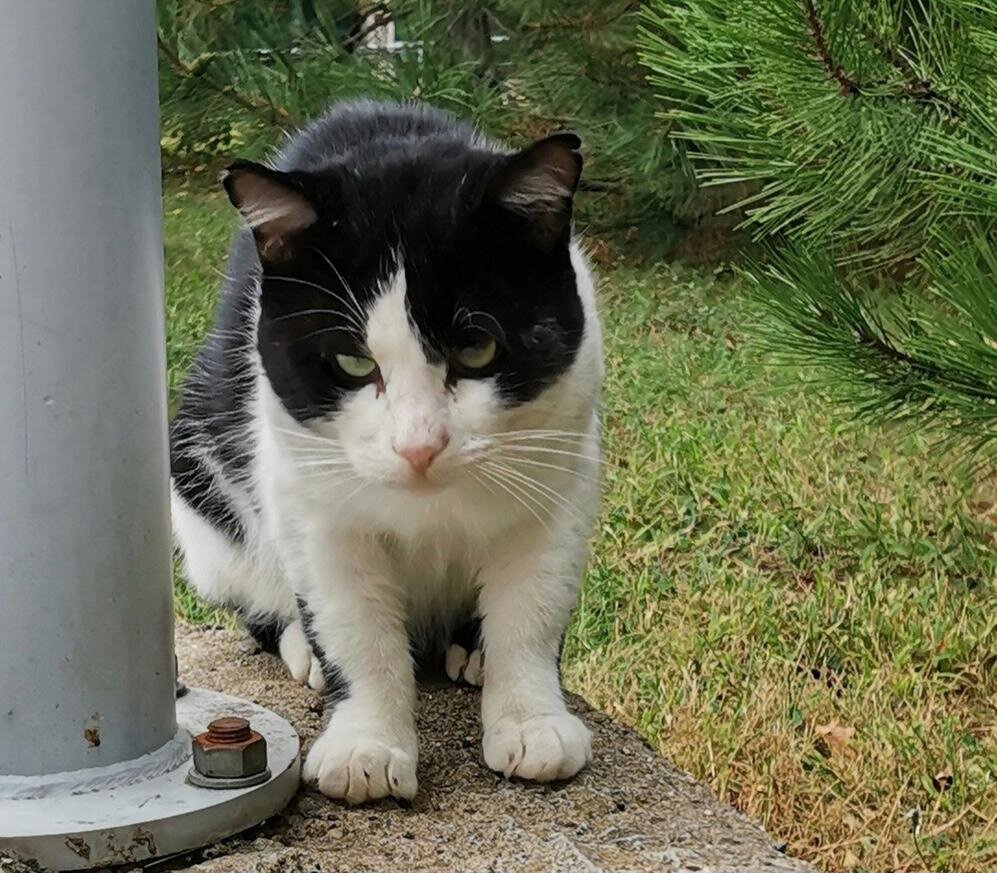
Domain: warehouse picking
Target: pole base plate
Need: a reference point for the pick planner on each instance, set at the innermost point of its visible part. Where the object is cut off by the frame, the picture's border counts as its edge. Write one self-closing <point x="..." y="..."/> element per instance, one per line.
<point x="157" y="816"/>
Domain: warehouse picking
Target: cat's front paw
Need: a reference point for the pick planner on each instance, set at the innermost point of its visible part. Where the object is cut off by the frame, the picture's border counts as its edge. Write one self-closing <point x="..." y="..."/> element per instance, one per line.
<point x="358" y="767"/>
<point x="542" y="748"/>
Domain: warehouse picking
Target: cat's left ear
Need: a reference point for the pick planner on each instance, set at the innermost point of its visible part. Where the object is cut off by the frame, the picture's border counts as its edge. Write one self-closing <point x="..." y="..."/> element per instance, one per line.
<point x="538" y="184"/>
<point x="276" y="206"/>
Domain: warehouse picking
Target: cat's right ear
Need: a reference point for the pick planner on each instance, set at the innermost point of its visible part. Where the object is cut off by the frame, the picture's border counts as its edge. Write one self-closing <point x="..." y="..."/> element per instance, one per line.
<point x="538" y="185"/>
<point x="275" y="205"/>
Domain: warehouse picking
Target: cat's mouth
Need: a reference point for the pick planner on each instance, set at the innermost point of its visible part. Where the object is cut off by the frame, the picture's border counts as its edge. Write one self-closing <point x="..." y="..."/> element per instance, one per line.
<point x="421" y="483"/>
<point x="425" y="489"/>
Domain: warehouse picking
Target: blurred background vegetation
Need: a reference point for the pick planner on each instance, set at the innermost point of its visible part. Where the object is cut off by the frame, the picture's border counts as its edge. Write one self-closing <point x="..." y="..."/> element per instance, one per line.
<point x="793" y="205"/>
<point x="235" y="70"/>
<point x="854" y="141"/>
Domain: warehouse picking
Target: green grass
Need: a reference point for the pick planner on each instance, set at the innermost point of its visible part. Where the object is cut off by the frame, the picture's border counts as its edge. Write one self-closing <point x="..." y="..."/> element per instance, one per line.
<point x="761" y="571"/>
<point x="197" y="229"/>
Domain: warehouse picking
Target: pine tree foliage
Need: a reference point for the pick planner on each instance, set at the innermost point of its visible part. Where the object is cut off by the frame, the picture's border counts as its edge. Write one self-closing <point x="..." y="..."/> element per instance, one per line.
<point x="573" y="63"/>
<point x="232" y="70"/>
<point x="867" y="131"/>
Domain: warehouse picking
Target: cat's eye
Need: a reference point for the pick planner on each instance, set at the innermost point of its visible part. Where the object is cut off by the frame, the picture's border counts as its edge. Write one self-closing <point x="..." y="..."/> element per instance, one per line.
<point x="478" y="356"/>
<point x="356" y="366"/>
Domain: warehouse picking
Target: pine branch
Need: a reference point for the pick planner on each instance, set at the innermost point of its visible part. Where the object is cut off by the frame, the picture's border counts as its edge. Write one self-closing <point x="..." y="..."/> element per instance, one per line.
<point x="264" y="109"/>
<point x="847" y="86"/>
<point x="892" y="356"/>
<point x="880" y="216"/>
<point x="587" y="22"/>
<point x="917" y="88"/>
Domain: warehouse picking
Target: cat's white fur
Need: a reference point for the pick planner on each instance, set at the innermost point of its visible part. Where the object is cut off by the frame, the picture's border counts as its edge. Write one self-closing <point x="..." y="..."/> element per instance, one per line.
<point x="375" y="552"/>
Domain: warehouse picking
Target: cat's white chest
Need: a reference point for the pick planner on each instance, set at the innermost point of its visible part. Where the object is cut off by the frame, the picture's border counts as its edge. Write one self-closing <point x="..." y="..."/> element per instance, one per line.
<point x="438" y="576"/>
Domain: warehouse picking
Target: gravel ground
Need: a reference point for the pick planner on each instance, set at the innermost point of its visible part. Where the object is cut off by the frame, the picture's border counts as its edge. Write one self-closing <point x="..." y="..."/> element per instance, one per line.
<point x="630" y="811"/>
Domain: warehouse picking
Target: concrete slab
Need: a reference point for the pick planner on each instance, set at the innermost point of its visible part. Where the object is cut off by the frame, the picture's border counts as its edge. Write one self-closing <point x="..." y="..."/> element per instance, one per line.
<point x="630" y="811"/>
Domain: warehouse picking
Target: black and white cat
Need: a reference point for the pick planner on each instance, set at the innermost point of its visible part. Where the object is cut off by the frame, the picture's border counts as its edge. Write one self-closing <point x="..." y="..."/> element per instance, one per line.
<point x="387" y="451"/>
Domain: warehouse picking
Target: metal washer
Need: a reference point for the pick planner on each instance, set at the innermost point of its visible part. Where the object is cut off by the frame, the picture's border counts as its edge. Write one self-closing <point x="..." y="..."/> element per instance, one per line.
<point x="226" y="782"/>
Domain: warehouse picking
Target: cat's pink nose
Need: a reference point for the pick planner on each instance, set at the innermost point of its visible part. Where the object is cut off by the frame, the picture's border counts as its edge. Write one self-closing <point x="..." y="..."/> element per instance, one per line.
<point x="422" y="455"/>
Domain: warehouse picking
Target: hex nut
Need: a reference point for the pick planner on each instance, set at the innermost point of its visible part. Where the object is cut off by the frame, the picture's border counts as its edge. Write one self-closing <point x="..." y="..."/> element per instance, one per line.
<point x="229" y="749"/>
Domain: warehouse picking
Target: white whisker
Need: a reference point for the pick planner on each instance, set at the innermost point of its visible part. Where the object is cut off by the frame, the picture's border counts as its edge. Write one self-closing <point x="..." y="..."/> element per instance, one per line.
<point x="355" y="491"/>
<point x="569" y="470"/>
<point x="302" y="312"/>
<point x="538" y="487"/>
<point x="542" y="433"/>
<point x="320" y="451"/>
<point x="349" y="330"/>
<point x="325" y="462"/>
<point x="351" y="305"/>
<point x="331" y="477"/>
<point x="507" y="487"/>
<point x="483" y="483"/>
<point x="548" y="451"/>
<point x="465" y="316"/>
<point x="308" y="435"/>
<point x="346" y="285"/>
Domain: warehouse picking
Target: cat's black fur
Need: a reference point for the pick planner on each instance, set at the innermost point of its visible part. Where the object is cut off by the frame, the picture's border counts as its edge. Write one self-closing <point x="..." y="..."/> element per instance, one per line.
<point x="336" y="686"/>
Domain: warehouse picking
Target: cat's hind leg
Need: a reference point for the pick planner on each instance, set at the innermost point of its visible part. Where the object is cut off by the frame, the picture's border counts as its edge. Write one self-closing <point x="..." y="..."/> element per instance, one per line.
<point x="462" y="665"/>
<point x="225" y="571"/>
<point x="275" y="635"/>
<point x="301" y="661"/>
<point x="465" y="659"/>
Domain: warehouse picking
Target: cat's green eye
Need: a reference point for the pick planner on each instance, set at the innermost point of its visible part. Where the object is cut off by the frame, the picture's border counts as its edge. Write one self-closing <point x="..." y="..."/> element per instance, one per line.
<point x="357" y="367"/>
<point x="478" y="356"/>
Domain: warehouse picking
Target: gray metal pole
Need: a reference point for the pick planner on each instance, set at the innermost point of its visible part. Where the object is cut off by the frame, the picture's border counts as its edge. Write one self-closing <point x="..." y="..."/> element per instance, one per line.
<point x="86" y="674"/>
<point x="94" y="750"/>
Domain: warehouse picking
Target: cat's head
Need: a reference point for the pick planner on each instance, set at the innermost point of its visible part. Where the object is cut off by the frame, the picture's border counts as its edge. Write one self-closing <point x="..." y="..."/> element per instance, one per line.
<point x="418" y="307"/>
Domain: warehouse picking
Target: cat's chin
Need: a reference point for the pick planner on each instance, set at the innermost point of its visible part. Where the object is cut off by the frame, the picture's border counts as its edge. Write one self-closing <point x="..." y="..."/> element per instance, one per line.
<point x="420" y="485"/>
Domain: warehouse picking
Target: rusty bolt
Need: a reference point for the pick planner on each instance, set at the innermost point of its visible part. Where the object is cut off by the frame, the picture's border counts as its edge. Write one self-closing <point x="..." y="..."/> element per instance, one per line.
<point x="228" y="731"/>
<point x="231" y="752"/>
